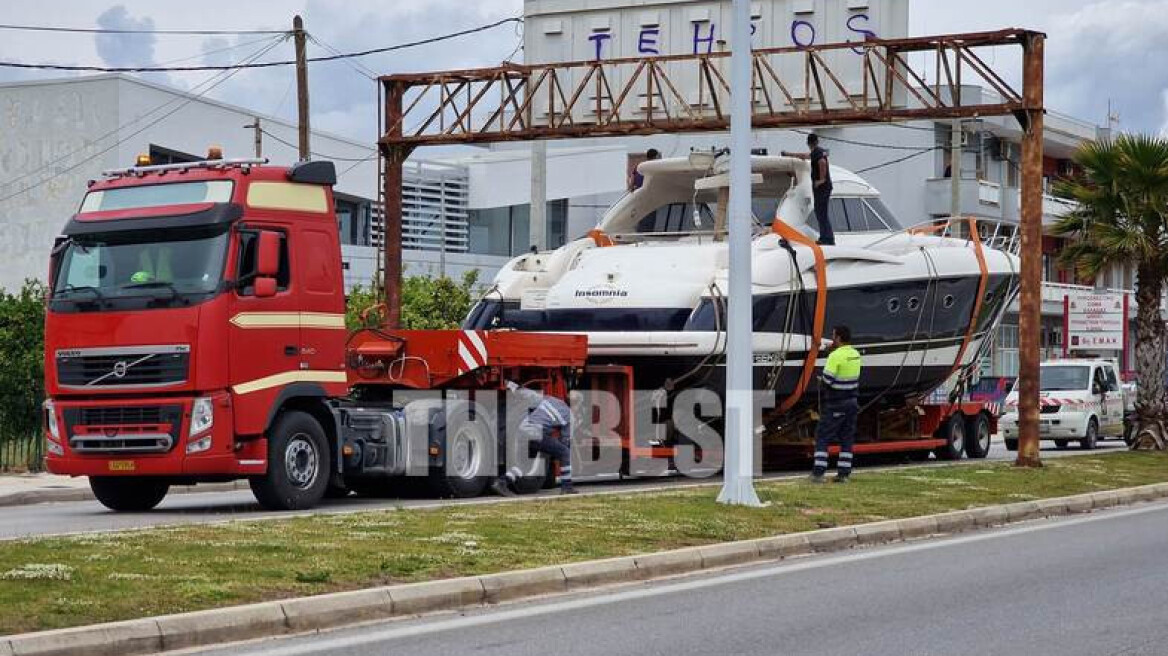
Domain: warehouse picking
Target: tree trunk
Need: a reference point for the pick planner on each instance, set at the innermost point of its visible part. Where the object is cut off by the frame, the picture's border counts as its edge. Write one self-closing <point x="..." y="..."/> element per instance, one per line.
<point x="1151" y="351"/>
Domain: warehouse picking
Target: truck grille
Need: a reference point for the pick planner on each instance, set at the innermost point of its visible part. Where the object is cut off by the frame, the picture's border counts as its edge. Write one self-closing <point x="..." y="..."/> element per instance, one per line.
<point x="123" y="429"/>
<point x="112" y="368"/>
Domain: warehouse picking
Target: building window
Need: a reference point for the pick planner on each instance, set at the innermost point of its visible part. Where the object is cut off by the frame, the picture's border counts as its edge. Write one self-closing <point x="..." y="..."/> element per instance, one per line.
<point x="164" y="155"/>
<point x="354" y="220"/>
<point x="506" y="231"/>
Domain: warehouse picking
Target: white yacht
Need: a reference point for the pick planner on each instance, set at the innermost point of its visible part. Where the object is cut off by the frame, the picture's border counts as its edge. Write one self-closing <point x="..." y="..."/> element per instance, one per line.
<point x="648" y="285"/>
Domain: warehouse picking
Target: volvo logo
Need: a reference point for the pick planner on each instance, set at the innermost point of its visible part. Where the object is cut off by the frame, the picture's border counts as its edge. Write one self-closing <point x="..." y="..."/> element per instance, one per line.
<point x="120" y="367"/>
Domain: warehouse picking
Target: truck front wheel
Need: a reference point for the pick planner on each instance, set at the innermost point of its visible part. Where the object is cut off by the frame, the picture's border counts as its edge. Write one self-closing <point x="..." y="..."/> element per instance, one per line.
<point x="128" y="494"/>
<point x="298" y="458"/>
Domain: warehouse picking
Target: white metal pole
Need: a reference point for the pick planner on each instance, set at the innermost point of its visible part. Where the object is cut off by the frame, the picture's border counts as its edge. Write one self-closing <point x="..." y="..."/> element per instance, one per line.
<point x="538" y="217"/>
<point x="738" y="472"/>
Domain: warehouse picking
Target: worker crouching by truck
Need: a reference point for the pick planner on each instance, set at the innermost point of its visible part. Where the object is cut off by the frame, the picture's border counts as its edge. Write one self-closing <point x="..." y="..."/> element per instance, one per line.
<point x="841" y="406"/>
<point x="546" y="425"/>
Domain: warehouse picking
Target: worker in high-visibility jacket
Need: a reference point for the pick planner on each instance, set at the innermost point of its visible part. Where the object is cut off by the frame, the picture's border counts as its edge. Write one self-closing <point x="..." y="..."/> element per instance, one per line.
<point x="840" y="404"/>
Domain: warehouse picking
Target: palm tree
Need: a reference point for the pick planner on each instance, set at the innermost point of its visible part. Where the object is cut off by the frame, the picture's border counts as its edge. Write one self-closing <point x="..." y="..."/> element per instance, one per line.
<point x="1122" y="217"/>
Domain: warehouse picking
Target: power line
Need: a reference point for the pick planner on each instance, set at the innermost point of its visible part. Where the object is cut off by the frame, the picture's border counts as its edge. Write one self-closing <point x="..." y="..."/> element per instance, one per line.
<point x="195" y="90"/>
<point x="223" y="77"/>
<point x="101" y="30"/>
<point x="853" y="142"/>
<point x="321" y="155"/>
<point x="288" y="62"/>
<point x="899" y="160"/>
<point x="357" y="66"/>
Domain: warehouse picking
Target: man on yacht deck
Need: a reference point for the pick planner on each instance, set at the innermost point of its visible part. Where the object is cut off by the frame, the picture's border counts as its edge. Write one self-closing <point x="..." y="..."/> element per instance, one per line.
<point x="820" y="186"/>
<point x="841" y="405"/>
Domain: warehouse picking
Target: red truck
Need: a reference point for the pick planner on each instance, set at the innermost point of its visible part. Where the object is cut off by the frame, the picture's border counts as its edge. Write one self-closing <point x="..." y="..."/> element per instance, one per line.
<point x="195" y="332"/>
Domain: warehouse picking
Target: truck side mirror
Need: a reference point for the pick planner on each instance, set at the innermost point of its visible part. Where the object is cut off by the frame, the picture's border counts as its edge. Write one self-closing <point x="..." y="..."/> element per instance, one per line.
<point x="268" y="254"/>
<point x="265" y="287"/>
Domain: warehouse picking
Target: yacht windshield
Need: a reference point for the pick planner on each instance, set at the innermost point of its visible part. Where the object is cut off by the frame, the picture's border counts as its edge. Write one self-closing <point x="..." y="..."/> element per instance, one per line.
<point x="167" y="264"/>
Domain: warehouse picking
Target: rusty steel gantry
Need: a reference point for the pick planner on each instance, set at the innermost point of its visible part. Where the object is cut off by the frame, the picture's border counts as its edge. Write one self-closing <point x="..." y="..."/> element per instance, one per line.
<point x="832" y="84"/>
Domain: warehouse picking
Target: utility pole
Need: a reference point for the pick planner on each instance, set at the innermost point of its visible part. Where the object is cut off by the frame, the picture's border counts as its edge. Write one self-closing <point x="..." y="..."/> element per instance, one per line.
<point x="1030" y="299"/>
<point x="738" y="470"/>
<point x="299" y="37"/>
<point x="538" y="226"/>
<point x="955" y="147"/>
<point x="259" y="136"/>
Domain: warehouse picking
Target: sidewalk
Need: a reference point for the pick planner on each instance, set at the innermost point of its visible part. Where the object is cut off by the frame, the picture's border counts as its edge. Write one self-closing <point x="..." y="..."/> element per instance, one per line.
<point x="22" y="489"/>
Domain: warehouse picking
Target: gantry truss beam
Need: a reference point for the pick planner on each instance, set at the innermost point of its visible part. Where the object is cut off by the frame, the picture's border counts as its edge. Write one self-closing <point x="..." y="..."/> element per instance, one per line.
<point x="874" y="81"/>
<point x="842" y="83"/>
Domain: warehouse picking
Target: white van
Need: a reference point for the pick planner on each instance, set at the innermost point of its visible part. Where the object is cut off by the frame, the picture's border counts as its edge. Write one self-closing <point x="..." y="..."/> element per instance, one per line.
<point x="1080" y="400"/>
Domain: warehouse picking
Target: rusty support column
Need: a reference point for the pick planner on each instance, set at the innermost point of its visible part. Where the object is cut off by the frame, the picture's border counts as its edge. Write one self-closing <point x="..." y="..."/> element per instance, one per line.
<point x="391" y="234"/>
<point x="1030" y="303"/>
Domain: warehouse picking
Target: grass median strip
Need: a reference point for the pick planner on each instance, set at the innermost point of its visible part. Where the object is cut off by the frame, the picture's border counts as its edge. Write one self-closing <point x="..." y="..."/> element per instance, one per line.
<point x="67" y="581"/>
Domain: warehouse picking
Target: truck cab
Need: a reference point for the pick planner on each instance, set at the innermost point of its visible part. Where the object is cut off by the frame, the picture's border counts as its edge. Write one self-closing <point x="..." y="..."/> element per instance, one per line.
<point x="1080" y="400"/>
<point x="187" y="304"/>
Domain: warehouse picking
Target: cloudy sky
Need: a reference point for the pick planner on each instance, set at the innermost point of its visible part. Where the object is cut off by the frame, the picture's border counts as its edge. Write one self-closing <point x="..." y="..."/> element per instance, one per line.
<point x="1098" y="51"/>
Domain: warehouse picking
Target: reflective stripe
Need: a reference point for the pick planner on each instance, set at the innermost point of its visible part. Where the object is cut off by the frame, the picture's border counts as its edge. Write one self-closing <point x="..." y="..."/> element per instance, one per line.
<point x="821" y="454"/>
<point x="286" y="377"/>
<point x="253" y="320"/>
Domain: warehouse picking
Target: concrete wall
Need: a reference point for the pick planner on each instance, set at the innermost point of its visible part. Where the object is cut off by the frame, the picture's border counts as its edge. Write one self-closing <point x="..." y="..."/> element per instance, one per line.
<point x="53" y="138"/>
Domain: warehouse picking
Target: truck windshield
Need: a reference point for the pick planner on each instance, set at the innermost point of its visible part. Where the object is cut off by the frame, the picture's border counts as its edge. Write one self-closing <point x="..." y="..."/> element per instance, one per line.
<point x="170" y="264"/>
<point x="1064" y="379"/>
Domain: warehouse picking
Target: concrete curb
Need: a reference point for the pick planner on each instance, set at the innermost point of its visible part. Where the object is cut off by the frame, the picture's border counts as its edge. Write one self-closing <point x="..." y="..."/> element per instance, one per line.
<point x="274" y="618"/>
<point x="59" y="495"/>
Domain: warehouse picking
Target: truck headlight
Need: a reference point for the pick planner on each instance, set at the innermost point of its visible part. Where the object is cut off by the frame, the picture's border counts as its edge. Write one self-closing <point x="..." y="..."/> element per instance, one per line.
<point x="200" y="445"/>
<point x="51" y="420"/>
<point x="202" y="416"/>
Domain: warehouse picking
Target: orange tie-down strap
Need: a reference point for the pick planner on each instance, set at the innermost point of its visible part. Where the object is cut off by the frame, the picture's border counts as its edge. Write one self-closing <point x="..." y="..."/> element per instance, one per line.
<point x="981" y="290"/>
<point x="792" y="235"/>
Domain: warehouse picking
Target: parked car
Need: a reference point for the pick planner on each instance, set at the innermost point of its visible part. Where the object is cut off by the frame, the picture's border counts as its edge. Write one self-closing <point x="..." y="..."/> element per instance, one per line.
<point x="1080" y="400"/>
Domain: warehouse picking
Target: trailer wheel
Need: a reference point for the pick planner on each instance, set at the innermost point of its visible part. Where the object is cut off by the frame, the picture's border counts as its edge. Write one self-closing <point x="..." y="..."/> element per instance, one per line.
<point x="298" y="457"/>
<point x="128" y="494"/>
<point x="953" y="432"/>
<point x="977" y="443"/>
<point x="468" y="445"/>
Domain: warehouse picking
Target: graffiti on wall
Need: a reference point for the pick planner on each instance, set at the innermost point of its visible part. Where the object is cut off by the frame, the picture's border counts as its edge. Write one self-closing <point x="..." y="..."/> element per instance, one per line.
<point x="705" y="35"/>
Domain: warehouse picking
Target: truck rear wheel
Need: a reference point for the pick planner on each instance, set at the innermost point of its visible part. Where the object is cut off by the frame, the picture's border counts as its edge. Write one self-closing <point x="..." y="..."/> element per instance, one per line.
<point x="977" y="436"/>
<point x="298" y="458"/>
<point x="953" y="432"/>
<point x="469" y="444"/>
<point x="128" y="494"/>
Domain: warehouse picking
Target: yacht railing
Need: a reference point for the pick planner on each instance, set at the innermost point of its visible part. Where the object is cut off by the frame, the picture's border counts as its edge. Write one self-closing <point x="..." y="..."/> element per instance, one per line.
<point x="993" y="233"/>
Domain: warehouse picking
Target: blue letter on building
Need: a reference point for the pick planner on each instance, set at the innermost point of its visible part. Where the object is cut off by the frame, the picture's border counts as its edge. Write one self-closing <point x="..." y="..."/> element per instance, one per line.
<point x="698" y="39"/>
<point x="807" y="28"/>
<point x="868" y="34"/>
<point x="647" y="44"/>
<point x="599" y="38"/>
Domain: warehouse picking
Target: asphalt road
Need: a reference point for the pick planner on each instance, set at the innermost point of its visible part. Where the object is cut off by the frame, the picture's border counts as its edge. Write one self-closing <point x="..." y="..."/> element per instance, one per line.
<point x="1089" y="586"/>
<point x="89" y="516"/>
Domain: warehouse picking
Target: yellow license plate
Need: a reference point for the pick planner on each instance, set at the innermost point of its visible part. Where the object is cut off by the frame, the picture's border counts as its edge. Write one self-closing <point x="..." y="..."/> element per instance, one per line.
<point x="121" y="465"/>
